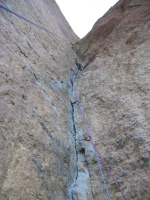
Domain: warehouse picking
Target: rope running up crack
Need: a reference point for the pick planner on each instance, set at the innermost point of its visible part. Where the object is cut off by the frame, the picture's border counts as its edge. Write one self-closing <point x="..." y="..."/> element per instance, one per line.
<point x="73" y="82"/>
<point x="94" y="147"/>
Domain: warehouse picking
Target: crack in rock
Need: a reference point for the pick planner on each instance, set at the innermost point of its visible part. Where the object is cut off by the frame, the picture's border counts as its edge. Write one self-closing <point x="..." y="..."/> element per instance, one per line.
<point x="82" y="185"/>
<point x="43" y="91"/>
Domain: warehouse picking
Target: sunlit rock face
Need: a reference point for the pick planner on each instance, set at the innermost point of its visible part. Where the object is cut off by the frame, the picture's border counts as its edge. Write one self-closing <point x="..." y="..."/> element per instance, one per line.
<point x="43" y="154"/>
<point x="114" y="89"/>
<point x="37" y="155"/>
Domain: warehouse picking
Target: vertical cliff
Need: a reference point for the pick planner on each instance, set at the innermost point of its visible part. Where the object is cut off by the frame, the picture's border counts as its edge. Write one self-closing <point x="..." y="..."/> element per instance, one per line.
<point x="37" y="155"/>
<point x="114" y="90"/>
<point x="43" y="154"/>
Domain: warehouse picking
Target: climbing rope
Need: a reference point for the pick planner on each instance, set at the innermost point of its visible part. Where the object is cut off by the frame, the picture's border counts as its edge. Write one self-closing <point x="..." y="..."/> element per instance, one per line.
<point x="94" y="147"/>
<point x="73" y="82"/>
<point x="37" y="25"/>
<point x="29" y="21"/>
<point x="89" y="133"/>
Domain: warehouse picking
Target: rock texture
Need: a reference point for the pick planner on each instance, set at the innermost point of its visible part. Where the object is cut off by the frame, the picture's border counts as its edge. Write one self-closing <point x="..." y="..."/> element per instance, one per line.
<point x="114" y="90"/>
<point x="37" y="154"/>
<point x="42" y="154"/>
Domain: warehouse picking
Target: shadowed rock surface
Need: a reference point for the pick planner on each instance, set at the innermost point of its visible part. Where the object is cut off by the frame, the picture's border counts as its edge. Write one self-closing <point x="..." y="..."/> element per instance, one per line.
<point x="42" y="154"/>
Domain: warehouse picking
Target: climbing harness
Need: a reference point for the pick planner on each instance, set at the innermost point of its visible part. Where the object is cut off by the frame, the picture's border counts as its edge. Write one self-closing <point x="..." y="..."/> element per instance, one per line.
<point x="97" y="154"/>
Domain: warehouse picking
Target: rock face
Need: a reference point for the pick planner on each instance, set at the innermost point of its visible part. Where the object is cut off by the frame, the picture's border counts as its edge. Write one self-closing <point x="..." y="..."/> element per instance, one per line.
<point x="42" y="154"/>
<point x="37" y="154"/>
<point x="114" y="90"/>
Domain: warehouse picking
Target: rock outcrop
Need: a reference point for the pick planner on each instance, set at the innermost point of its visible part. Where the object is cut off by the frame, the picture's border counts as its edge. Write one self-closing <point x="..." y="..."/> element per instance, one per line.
<point x="42" y="151"/>
<point x="37" y="154"/>
<point x="114" y="90"/>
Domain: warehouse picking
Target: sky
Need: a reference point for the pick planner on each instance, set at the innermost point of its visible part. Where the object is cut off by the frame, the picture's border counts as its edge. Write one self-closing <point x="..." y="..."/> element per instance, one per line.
<point x="82" y="14"/>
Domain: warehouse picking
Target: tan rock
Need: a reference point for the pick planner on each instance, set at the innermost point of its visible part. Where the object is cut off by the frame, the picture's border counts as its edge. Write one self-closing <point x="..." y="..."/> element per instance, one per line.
<point x="114" y="90"/>
<point x="43" y="154"/>
<point x="37" y="156"/>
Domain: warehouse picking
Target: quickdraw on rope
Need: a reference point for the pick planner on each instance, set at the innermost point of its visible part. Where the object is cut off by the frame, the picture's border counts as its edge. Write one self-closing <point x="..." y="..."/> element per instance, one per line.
<point x="89" y="138"/>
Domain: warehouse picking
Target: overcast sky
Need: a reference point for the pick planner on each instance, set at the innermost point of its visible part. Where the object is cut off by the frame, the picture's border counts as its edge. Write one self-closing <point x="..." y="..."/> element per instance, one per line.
<point x="82" y="14"/>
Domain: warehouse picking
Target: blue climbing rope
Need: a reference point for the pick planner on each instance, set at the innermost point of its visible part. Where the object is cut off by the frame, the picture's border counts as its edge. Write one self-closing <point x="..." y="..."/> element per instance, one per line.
<point x="73" y="82"/>
<point x="29" y="21"/>
<point x="94" y="147"/>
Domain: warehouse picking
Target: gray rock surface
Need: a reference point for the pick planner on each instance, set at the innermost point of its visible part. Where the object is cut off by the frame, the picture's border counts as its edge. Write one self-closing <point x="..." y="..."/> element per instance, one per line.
<point x="42" y="154"/>
<point x="114" y="90"/>
<point x="37" y="154"/>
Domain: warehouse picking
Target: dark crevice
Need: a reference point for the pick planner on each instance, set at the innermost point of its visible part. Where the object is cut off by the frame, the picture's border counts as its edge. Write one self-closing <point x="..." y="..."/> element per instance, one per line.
<point x="35" y="76"/>
<point x="74" y="128"/>
<point x="82" y="165"/>
<point x="40" y="84"/>
<point x="22" y="52"/>
<point x="82" y="151"/>
<point x="75" y="133"/>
